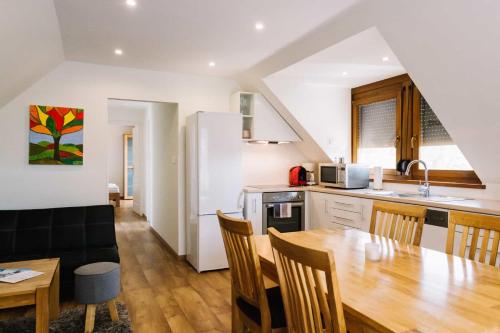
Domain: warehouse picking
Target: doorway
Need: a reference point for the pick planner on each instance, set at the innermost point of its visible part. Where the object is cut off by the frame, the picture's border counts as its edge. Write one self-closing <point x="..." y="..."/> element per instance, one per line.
<point x="128" y="166"/>
<point x="148" y="166"/>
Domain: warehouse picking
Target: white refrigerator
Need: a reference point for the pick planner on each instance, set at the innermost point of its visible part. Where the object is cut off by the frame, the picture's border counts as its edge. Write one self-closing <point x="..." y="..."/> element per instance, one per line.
<point x="214" y="181"/>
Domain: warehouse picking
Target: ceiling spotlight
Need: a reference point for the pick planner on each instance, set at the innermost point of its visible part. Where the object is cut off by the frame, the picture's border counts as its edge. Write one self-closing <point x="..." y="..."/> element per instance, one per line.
<point x="211" y="64"/>
<point x="385" y="59"/>
<point x="131" y="3"/>
<point x="118" y="51"/>
<point x="259" y="26"/>
<point x="344" y="73"/>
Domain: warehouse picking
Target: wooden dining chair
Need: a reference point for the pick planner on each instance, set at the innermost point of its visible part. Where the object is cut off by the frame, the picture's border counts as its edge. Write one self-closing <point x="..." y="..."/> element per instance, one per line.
<point x="478" y="232"/>
<point x="309" y="287"/>
<point x="253" y="306"/>
<point x="403" y="223"/>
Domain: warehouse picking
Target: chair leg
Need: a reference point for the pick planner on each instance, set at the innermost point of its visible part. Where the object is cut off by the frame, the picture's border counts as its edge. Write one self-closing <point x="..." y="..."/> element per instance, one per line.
<point x="112" y="310"/>
<point x="89" y="318"/>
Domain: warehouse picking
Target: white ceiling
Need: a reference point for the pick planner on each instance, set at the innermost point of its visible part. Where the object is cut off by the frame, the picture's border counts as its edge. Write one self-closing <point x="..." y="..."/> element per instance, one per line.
<point x="184" y="36"/>
<point x="30" y="44"/>
<point x="350" y="63"/>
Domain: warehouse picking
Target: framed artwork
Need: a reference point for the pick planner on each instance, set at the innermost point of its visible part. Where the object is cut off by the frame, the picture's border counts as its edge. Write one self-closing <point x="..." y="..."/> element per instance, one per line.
<point x="56" y="135"/>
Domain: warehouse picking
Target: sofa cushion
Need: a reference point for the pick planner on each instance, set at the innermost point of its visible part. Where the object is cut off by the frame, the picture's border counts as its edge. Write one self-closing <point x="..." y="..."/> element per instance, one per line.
<point x="68" y="228"/>
<point x="33" y="231"/>
<point x="8" y="222"/>
<point x="100" y="227"/>
<point x="76" y="235"/>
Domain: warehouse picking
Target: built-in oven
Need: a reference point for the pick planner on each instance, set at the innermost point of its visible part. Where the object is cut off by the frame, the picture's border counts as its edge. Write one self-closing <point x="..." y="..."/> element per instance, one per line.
<point x="272" y="204"/>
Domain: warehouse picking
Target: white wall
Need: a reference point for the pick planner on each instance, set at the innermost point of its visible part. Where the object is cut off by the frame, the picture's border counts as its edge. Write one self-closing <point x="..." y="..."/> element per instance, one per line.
<point x="323" y="110"/>
<point x="455" y="65"/>
<point x="115" y="154"/>
<point x="268" y="164"/>
<point x="163" y="175"/>
<point x="39" y="186"/>
<point x="91" y="85"/>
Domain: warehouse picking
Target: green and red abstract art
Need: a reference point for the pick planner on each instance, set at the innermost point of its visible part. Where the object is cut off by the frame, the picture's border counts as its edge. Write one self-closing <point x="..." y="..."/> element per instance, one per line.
<point x="56" y="135"/>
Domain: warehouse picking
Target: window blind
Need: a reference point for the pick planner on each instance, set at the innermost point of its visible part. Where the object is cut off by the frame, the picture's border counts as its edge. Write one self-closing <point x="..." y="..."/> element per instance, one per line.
<point x="432" y="132"/>
<point x="377" y="124"/>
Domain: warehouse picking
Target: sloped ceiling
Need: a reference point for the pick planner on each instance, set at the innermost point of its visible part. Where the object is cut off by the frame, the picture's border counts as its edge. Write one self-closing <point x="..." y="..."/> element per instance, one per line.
<point x="166" y="35"/>
<point x="449" y="48"/>
<point x="184" y="36"/>
<point x="321" y="85"/>
<point x="30" y="44"/>
<point x="361" y="59"/>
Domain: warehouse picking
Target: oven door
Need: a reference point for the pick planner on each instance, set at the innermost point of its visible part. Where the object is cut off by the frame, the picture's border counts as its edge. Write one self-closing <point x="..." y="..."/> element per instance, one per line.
<point x="328" y="175"/>
<point x="288" y="224"/>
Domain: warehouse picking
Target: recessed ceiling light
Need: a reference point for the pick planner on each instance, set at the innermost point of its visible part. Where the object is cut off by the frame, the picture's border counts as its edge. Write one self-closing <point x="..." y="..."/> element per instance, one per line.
<point x="385" y="59"/>
<point x="259" y="26"/>
<point x="131" y="3"/>
<point x="211" y="64"/>
<point x="344" y="73"/>
<point x="118" y="51"/>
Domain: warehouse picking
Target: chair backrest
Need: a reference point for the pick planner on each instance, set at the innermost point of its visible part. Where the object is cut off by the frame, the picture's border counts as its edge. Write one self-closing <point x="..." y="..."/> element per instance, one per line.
<point x="246" y="275"/>
<point x="309" y="287"/>
<point x="403" y="223"/>
<point x="478" y="232"/>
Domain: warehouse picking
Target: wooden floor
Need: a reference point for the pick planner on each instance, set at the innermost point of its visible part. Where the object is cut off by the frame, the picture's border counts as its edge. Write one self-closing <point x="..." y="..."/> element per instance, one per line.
<point x="162" y="293"/>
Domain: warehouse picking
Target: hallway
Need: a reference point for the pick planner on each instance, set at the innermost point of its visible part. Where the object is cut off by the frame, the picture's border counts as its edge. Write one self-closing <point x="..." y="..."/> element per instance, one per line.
<point x="164" y="294"/>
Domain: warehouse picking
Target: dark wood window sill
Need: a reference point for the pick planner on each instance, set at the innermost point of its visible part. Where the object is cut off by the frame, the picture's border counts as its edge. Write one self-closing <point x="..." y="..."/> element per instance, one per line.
<point x="405" y="180"/>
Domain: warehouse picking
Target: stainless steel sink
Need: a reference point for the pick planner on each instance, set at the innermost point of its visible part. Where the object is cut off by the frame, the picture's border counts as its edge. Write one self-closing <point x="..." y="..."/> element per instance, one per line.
<point x="438" y="198"/>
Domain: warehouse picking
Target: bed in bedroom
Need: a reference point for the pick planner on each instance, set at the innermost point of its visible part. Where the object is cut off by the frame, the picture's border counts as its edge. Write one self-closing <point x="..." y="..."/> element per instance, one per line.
<point x="114" y="193"/>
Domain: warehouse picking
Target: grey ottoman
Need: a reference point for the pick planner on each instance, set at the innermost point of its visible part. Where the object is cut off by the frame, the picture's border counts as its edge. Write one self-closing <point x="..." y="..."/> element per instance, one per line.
<point x="97" y="283"/>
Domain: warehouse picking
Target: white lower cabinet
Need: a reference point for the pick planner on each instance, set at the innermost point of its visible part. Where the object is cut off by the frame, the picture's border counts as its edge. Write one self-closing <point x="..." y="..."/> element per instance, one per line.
<point x="253" y="211"/>
<point x="336" y="211"/>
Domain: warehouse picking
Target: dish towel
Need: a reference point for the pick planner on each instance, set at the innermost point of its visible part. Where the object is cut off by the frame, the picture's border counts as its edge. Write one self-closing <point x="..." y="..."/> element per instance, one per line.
<point x="283" y="211"/>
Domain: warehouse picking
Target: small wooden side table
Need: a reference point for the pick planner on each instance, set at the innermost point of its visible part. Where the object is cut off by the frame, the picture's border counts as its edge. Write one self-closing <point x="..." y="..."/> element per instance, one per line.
<point x="41" y="291"/>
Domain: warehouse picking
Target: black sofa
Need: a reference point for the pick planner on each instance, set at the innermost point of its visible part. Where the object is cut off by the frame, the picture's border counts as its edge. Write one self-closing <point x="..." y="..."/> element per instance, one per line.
<point x="76" y="235"/>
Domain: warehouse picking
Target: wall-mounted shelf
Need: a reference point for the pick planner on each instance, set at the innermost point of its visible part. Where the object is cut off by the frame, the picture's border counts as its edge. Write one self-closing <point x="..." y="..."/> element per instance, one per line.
<point x="261" y="122"/>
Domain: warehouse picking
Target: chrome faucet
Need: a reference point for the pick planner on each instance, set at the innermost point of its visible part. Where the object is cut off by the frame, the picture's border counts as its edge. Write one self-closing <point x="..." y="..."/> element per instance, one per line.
<point x="425" y="188"/>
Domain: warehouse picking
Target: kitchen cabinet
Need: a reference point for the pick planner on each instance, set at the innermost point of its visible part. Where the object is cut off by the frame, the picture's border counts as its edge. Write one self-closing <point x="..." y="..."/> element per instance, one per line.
<point x="337" y="211"/>
<point x="253" y="211"/>
<point x="261" y="122"/>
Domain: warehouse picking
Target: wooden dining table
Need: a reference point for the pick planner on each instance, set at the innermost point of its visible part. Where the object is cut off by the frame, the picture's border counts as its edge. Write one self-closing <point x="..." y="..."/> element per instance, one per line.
<point x="411" y="289"/>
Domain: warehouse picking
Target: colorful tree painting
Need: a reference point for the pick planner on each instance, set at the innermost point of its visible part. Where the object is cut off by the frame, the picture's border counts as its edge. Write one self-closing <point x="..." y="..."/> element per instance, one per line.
<point x="56" y="135"/>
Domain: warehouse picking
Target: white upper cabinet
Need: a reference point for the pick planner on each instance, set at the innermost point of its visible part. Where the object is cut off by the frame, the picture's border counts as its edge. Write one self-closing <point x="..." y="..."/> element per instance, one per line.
<point x="261" y="122"/>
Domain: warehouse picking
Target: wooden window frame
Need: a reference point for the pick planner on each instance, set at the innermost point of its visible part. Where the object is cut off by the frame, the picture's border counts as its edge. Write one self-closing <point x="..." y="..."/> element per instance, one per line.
<point x="407" y="142"/>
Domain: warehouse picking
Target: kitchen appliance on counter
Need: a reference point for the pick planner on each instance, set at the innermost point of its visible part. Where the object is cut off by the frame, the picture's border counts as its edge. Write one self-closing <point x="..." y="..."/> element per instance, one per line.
<point x="297" y="176"/>
<point x="211" y="155"/>
<point x="309" y="173"/>
<point x="344" y="175"/>
<point x="274" y="202"/>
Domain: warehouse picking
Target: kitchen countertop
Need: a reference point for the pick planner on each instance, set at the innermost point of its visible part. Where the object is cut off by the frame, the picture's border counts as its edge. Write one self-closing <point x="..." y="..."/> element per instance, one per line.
<point x="482" y="206"/>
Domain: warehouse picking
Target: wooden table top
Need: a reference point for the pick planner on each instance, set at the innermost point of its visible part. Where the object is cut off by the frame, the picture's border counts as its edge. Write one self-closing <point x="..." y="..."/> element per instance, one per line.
<point x="47" y="266"/>
<point x="412" y="289"/>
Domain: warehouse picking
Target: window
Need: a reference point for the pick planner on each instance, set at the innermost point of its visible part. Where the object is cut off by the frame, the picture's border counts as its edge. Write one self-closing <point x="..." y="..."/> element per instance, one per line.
<point x="377" y="134"/>
<point x="436" y="146"/>
<point x="392" y="121"/>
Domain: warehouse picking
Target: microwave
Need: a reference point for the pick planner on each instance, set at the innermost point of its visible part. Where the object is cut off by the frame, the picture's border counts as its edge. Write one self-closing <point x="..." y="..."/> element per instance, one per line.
<point x="344" y="175"/>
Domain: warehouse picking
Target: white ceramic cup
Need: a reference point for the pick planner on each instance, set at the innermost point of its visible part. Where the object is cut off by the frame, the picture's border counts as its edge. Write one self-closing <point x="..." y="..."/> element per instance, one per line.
<point x="373" y="251"/>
